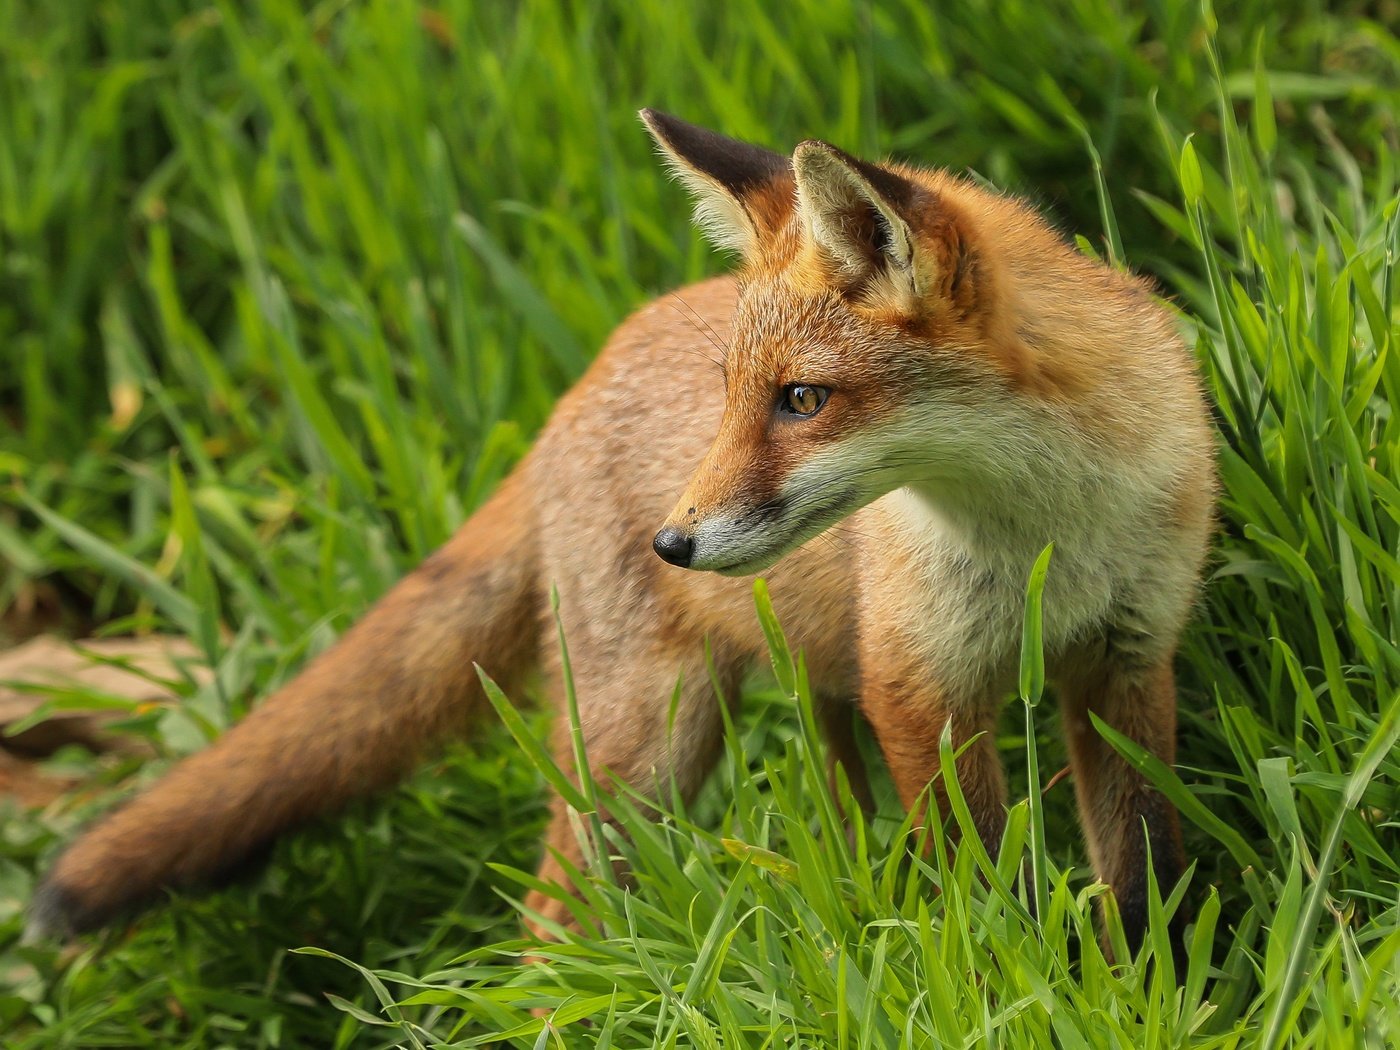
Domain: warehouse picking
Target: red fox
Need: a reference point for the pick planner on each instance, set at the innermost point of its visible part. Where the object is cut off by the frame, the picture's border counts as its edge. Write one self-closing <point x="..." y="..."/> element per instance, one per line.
<point x="922" y="385"/>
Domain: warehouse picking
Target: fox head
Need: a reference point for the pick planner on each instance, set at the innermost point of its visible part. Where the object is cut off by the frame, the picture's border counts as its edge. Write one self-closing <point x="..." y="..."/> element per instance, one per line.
<point x="870" y="341"/>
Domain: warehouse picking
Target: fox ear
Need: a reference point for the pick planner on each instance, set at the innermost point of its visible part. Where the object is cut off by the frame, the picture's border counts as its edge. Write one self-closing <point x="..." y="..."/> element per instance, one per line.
<point x="726" y="177"/>
<point x="856" y="212"/>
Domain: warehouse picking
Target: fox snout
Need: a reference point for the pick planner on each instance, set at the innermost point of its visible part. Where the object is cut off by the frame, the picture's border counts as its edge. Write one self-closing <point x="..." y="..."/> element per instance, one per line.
<point x="737" y="522"/>
<point x="685" y="538"/>
<point x="713" y="526"/>
<point x="710" y="540"/>
<point x="737" y="538"/>
<point x="674" y="546"/>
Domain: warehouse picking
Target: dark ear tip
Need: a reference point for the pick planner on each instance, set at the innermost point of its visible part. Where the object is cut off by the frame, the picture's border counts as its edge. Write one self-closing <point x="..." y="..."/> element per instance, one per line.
<point x="661" y="125"/>
<point x="735" y="166"/>
<point x="894" y="187"/>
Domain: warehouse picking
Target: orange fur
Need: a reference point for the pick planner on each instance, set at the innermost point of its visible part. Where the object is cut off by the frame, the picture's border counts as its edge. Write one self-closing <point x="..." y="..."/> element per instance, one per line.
<point x="991" y="390"/>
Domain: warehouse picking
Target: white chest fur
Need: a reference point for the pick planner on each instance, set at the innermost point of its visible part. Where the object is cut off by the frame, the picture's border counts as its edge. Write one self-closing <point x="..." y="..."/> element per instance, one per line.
<point x="946" y="572"/>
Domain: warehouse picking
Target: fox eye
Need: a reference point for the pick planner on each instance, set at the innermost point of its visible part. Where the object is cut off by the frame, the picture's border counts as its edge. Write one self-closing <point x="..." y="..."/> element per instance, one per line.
<point x="801" y="400"/>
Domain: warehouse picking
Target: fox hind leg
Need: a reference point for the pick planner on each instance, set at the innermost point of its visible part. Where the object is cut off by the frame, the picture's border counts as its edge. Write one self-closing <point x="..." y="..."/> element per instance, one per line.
<point x="836" y="717"/>
<point x="650" y="719"/>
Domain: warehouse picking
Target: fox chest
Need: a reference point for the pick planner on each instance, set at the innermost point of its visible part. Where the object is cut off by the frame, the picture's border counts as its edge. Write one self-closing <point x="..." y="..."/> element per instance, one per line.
<point x="933" y="603"/>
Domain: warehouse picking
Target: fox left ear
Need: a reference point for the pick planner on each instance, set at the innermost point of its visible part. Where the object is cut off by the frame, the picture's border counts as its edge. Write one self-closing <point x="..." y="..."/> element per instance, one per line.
<point x="856" y="212"/>
<point x="733" y="182"/>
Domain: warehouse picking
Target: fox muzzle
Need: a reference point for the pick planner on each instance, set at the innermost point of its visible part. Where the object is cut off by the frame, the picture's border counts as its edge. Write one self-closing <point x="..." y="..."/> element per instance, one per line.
<point x="674" y="546"/>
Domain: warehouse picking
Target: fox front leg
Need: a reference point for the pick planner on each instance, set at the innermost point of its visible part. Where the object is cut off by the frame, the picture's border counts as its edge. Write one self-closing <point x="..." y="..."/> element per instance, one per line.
<point x="909" y="714"/>
<point x="1124" y="816"/>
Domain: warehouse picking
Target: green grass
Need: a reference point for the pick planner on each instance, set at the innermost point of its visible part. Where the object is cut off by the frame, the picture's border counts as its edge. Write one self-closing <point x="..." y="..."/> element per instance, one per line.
<point x="285" y="290"/>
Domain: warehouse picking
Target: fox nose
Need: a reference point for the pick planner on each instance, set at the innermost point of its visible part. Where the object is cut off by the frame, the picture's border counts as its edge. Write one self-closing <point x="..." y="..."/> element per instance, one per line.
<point x="674" y="546"/>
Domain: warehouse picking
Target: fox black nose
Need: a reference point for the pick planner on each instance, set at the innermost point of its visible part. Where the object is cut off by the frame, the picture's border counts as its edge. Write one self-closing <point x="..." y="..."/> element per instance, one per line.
<point x="674" y="546"/>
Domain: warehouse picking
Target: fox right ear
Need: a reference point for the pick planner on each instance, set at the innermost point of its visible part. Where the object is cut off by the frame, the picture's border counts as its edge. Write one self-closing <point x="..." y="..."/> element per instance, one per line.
<point x="856" y="212"/>
<point x="731" y="181"/>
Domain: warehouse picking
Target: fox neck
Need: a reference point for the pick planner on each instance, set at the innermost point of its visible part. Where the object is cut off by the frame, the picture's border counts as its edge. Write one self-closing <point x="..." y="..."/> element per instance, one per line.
<point x="1004" y="483"/>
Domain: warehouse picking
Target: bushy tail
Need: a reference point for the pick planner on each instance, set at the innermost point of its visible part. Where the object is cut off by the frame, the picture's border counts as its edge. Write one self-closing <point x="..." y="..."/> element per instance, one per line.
<point x="357" y="719"/>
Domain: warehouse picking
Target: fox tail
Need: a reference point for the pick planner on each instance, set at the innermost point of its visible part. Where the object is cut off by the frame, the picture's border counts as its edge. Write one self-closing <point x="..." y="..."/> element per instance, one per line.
<point x="357" y="719"/>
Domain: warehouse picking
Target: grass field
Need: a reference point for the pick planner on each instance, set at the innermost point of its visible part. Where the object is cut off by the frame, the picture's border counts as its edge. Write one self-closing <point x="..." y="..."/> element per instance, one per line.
<point x="285" y="289"/>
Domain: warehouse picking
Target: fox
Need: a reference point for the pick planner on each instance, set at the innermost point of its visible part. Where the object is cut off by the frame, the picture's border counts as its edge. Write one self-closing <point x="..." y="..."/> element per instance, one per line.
<point x="909" y="385"/>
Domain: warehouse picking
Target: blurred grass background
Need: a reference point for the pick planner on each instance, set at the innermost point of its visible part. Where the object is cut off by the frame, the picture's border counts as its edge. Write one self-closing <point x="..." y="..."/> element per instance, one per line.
<point x="285" y="288"/>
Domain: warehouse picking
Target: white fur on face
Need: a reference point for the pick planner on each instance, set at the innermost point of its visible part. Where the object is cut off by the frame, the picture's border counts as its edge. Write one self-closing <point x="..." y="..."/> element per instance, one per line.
<point x="985" y="482"/>
<point x="828" y="486"/>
